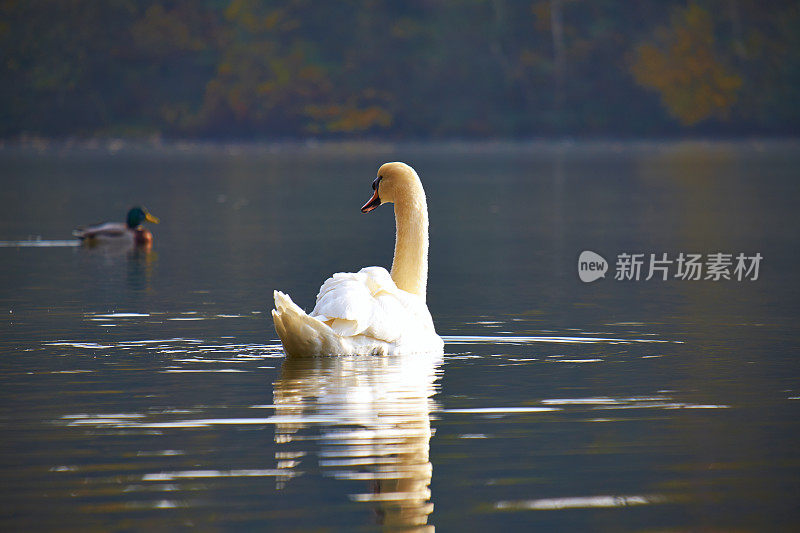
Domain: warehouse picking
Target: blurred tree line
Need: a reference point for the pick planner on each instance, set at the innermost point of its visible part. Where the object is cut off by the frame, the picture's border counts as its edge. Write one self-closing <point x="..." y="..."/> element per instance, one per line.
<point x="398" y="69"/>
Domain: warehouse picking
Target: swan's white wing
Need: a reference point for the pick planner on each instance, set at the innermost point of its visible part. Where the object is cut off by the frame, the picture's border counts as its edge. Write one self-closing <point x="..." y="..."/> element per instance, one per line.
<point x="369" y="303"/>
<point x="345" y="304"/>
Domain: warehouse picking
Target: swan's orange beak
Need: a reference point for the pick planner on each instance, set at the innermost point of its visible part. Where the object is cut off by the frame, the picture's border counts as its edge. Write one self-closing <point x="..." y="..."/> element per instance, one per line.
<point x="374" y="202"/>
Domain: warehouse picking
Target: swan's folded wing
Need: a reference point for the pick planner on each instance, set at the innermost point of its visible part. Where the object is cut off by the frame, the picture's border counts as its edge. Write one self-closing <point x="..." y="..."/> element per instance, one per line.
<point x="401" y="313"/>
<point x="345" y="303"/>
<point x="403" y="310"/>
<point x="369" y="303"/>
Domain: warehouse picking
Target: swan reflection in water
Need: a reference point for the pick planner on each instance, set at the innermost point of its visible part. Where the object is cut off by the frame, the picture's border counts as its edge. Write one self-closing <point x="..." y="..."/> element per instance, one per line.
<point x="373" y="415"/>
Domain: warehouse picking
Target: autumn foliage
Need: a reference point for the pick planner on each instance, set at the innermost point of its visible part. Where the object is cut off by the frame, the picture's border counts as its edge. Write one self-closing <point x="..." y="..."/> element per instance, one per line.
<point x="683" y="66"/>
<point x="412" y="69"/>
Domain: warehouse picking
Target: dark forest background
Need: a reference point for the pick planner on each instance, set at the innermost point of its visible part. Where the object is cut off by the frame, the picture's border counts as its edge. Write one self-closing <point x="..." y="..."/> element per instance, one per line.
<point x="247" y="69"/>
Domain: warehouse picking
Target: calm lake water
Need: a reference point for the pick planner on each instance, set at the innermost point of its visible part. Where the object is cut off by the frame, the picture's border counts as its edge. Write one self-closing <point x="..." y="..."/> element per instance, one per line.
<point x="147" y="390"/>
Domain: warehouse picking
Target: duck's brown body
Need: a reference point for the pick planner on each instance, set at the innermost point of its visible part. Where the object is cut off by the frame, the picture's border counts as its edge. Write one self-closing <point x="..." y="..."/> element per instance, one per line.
<point x="142" y="236"/>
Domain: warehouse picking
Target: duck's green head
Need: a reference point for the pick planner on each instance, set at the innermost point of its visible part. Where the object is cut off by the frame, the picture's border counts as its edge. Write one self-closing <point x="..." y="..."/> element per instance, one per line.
<point x="137" y="215"/>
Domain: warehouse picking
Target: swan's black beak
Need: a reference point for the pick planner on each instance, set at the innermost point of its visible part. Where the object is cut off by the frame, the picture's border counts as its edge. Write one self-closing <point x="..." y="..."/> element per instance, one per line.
<point x="375" y="201"/>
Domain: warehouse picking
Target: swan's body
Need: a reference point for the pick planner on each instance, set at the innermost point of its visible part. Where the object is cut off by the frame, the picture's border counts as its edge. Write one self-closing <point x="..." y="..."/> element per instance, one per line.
<point x="357" y="313"/>
<point x="372" y="311"/>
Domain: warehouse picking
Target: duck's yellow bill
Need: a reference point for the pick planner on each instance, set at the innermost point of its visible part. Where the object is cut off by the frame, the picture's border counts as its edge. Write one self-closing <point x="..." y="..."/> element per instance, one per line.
<point x="150" y="218"/>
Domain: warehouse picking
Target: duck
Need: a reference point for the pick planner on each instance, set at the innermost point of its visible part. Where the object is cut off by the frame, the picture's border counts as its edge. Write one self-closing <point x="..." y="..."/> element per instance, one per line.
<point x="372" y="311"/>
<point x="131" y="231"/>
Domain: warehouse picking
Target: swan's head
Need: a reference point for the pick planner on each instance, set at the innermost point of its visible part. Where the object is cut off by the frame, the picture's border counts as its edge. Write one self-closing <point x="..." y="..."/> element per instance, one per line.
<point x="395" y="182"/>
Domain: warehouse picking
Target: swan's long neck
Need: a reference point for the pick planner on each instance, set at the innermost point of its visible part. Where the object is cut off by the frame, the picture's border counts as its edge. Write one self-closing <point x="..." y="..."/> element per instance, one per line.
<point x="410" y="264"/>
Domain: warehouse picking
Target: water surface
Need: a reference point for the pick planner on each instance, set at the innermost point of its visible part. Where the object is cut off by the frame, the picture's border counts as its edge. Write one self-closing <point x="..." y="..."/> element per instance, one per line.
<point x="147" y="390"/>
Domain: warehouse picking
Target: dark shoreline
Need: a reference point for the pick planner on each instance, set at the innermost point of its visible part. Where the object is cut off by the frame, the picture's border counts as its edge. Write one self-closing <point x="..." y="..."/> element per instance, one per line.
<point x="114" y="145"/>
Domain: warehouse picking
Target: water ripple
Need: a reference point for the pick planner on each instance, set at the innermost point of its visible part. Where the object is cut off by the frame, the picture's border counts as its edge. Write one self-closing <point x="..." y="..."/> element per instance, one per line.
<point x="585" y="502"/>
<point x="205" y="474"/>
<point x="40" y="243"/>
<point x="517" y="339"/>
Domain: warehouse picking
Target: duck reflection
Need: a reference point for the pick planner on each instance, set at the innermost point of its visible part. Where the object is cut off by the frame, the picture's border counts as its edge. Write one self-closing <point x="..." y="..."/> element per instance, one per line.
<point x="374" y="419"/>
<point x="105" y="264"/>
<point x="141" y="260"/>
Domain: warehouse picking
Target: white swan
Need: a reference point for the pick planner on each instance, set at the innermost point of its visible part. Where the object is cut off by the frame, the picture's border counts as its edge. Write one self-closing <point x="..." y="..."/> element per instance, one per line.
<point x="370" y="311"/>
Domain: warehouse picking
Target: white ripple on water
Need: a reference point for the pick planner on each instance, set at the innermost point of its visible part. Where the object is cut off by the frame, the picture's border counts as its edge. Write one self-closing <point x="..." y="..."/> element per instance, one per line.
<point x="500" y="410"/>
<point x="40" y="243"/>
<point x="184" y="316"/>
<point x="186" y="355"/>
<point x="103" y="416"/>
<point x="206" y="474"/>
<point x="131" y="422"/>
<point x="89" y="345"/>
<point x="182" y="345"/>
<point x="145" y="342"/>
<point x="118" y="315"/>
<point x="207" y="361"/>
<point x="103" y="420"/>
<point x="597" y="403"/>
<point x="575" y="360"/>
<point x="581" y="502"/>
<point x="488" y="339"/>
<point x="642" y="402"/>
<point x="160" y="453"/>
<point x="160" y="504"/>
<point x="200" y="370"/>
<point x="676" y="405"/>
